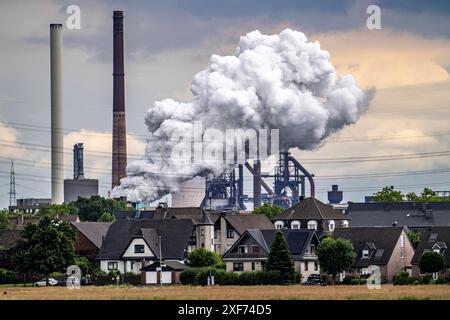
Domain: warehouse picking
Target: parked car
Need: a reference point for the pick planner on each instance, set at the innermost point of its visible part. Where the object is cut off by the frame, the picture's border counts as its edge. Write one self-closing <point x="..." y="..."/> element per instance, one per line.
<point x="43" y="282"/>
<point x="314" y="280"/>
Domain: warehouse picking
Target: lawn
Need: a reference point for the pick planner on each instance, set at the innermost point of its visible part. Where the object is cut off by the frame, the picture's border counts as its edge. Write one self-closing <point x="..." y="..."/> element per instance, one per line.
<point x="229" y="293"/>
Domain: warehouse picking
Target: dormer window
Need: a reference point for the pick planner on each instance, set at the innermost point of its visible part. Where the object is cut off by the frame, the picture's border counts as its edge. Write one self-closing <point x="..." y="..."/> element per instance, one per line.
<point x="279" y="225"/>
<point x="312" y="224"/>
<point x="365" y="254"/>
<point x="331" y="225"/>
<point x="295" y="224"/>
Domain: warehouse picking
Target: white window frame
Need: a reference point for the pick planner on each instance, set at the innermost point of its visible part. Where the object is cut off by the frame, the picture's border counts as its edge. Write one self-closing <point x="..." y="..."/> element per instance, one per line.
<point x="330" y="224"/>
<point x="279" y="224"/>
<point x="312" y="225"/>
<point x="345" y="224"/>
<point x="364" y="255"/>
<point x="295" y="223"/>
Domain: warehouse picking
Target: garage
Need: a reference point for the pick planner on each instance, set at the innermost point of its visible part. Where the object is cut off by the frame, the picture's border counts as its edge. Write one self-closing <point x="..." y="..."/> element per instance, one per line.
<point x="169" y="274"/>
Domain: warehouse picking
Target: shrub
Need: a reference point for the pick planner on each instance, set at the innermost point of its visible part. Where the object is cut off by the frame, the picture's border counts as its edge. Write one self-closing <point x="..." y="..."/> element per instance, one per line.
<point x="402" y="278"/>
<point x="229" y="279"/>
<point x="426" y="279"/>
<point x="441" y="280"/>
<point x="114" y="273"/>
<point x="298" y="278"/>
<point x="188" y="277"/>
<point x="7" y="276"/>
<point x="56" y="275"/>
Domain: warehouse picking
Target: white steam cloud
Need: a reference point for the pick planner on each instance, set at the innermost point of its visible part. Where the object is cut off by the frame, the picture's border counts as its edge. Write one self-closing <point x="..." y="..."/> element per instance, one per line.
<point x="279" y="81"/>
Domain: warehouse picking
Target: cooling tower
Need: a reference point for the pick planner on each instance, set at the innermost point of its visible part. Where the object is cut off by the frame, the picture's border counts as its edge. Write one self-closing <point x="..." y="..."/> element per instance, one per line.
<point x="57" y="161"/>
<point x="119" y="147"/>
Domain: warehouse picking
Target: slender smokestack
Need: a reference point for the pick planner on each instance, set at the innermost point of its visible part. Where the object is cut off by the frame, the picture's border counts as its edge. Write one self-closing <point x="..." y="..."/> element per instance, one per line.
<point x="257" y="184"/>
<point x="78" y="170"/>
<point x="56" y="113"/>
<point x="119" y="148"/>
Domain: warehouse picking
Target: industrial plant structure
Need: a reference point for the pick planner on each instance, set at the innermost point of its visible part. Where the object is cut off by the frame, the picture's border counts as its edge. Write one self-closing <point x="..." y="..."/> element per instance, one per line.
<point x="57" y="131"/>
<point x="119" y="145"/>
<point x="79" y="186"/>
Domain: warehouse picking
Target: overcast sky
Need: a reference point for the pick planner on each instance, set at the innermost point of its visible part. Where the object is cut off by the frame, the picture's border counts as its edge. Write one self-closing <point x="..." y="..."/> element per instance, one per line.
<point x="168" y="42"/>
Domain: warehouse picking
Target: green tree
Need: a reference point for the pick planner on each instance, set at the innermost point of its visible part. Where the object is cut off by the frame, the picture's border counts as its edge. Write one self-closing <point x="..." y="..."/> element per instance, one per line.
<point x="335" y="255"/>
<point x="388" y="194"/>
<point x="280" y="259"/>
<point x="414" y="236"/>
<point x="86" y="266"/>
<point x="55" y="210"/>
<point x="411" y="196"/>
<point x="431" y="262"/>
<point x="44" y="248"/>
<point x="270" y="210"/>
<point x="4" y="221"/>
<point x="428" y="195"/>
<point x="203" y="258"/>
<point x="106" y="217"/>
<point x="91" y="209"/>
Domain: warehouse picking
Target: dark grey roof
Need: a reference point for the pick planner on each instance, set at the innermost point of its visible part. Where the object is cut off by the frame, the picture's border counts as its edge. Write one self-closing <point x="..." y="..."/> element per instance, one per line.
<point x="298" y="240"/>
<point x="310" y="208"/>
<point x="242" y="222"/>
<point x="175" y="235"/>
<point x="94" y="231"/>
<point x="194" y="213"/>
<point x="441" y="236"/>
<point x="9" y="238"/>
<point x="409" y="214"/>
<point x="380" y="241"/>
<point x="169" y="266"/>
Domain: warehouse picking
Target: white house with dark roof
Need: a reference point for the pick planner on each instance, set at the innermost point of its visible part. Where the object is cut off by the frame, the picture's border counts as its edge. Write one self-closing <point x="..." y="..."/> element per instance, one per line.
<point x="130" y="245"/>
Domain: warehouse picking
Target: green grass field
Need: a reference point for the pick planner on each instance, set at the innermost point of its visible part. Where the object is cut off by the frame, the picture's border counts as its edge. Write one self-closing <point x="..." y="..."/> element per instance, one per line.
<point x="178" y="292"/>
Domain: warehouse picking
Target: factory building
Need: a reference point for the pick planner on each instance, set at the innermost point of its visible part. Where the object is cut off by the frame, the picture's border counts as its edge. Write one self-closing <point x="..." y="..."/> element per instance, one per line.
<point x="79" y="186"/>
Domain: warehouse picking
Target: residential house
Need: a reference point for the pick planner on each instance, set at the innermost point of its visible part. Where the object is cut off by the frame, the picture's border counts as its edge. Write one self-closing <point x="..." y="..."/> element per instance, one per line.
<point x="20" y="221"/>
<point x="435" y="239"/>
<point x="389" y="248"/>
<point x="130" y="245"/>
<point x="252" y="249"/>
<point x="402" y="214"/>
<point x="311" y="213"/>
<point x="229" y="227"/>
<point x="89" y="237"/>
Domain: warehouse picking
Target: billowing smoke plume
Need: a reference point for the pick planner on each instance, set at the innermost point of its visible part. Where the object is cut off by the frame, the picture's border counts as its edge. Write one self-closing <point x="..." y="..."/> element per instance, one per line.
<point x="277" y="81"/>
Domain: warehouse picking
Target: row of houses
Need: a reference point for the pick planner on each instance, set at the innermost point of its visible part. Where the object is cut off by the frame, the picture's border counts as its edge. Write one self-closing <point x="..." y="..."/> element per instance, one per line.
<point x="138" y="241"/>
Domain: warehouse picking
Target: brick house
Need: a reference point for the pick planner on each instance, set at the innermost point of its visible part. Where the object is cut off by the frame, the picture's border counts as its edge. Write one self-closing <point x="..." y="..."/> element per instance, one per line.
<point x="89" y="237"/>
<point x="389" y="248"/>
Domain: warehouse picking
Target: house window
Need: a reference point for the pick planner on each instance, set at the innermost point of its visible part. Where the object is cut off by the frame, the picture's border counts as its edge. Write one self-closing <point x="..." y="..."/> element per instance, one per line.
<point x="202" y="232"/>
<point x="238" y="266"/>
<point x="139" y="248"/>
<point x="279" y="225"/>
<point x="306" y="265"/>
<point x="295" y="224"/>
<point x="364" y="271"/>
<point x="312" y="225"/>
<point x="345" y="224"/>
<point x="256" y="249"/>
<point x="402" y="247"/>
<point x="230" y="233"/>
<point x="215" y="234"/>
<point x="242" y="249"/>
<point x="316" y="266"/>
<point x="365" y="254"/>
<point x="131" y="265"/>
<point x="331" y="225"/>
<point x="253" y="266"/>
<point x="113" y="265"/>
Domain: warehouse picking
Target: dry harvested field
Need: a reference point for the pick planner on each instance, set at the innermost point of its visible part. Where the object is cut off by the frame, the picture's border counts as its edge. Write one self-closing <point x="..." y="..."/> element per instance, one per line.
<point x="229" y="293"/>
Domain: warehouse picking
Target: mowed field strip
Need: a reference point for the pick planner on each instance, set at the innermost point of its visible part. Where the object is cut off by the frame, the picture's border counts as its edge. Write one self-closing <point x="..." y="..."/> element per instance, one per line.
<point x="388" y="292"/>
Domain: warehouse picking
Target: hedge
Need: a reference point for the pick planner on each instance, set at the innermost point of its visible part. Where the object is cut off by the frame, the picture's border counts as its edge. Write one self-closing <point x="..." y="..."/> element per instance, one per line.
<point x="7" y="276"/>
<point x="199" y="276"/>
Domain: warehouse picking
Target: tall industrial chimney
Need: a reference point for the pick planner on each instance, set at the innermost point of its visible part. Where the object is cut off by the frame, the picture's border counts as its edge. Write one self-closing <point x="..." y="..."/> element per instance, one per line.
<point x="78" y="170"/>
<point x="119" y="147"/>
<point x="56" y="113"/>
